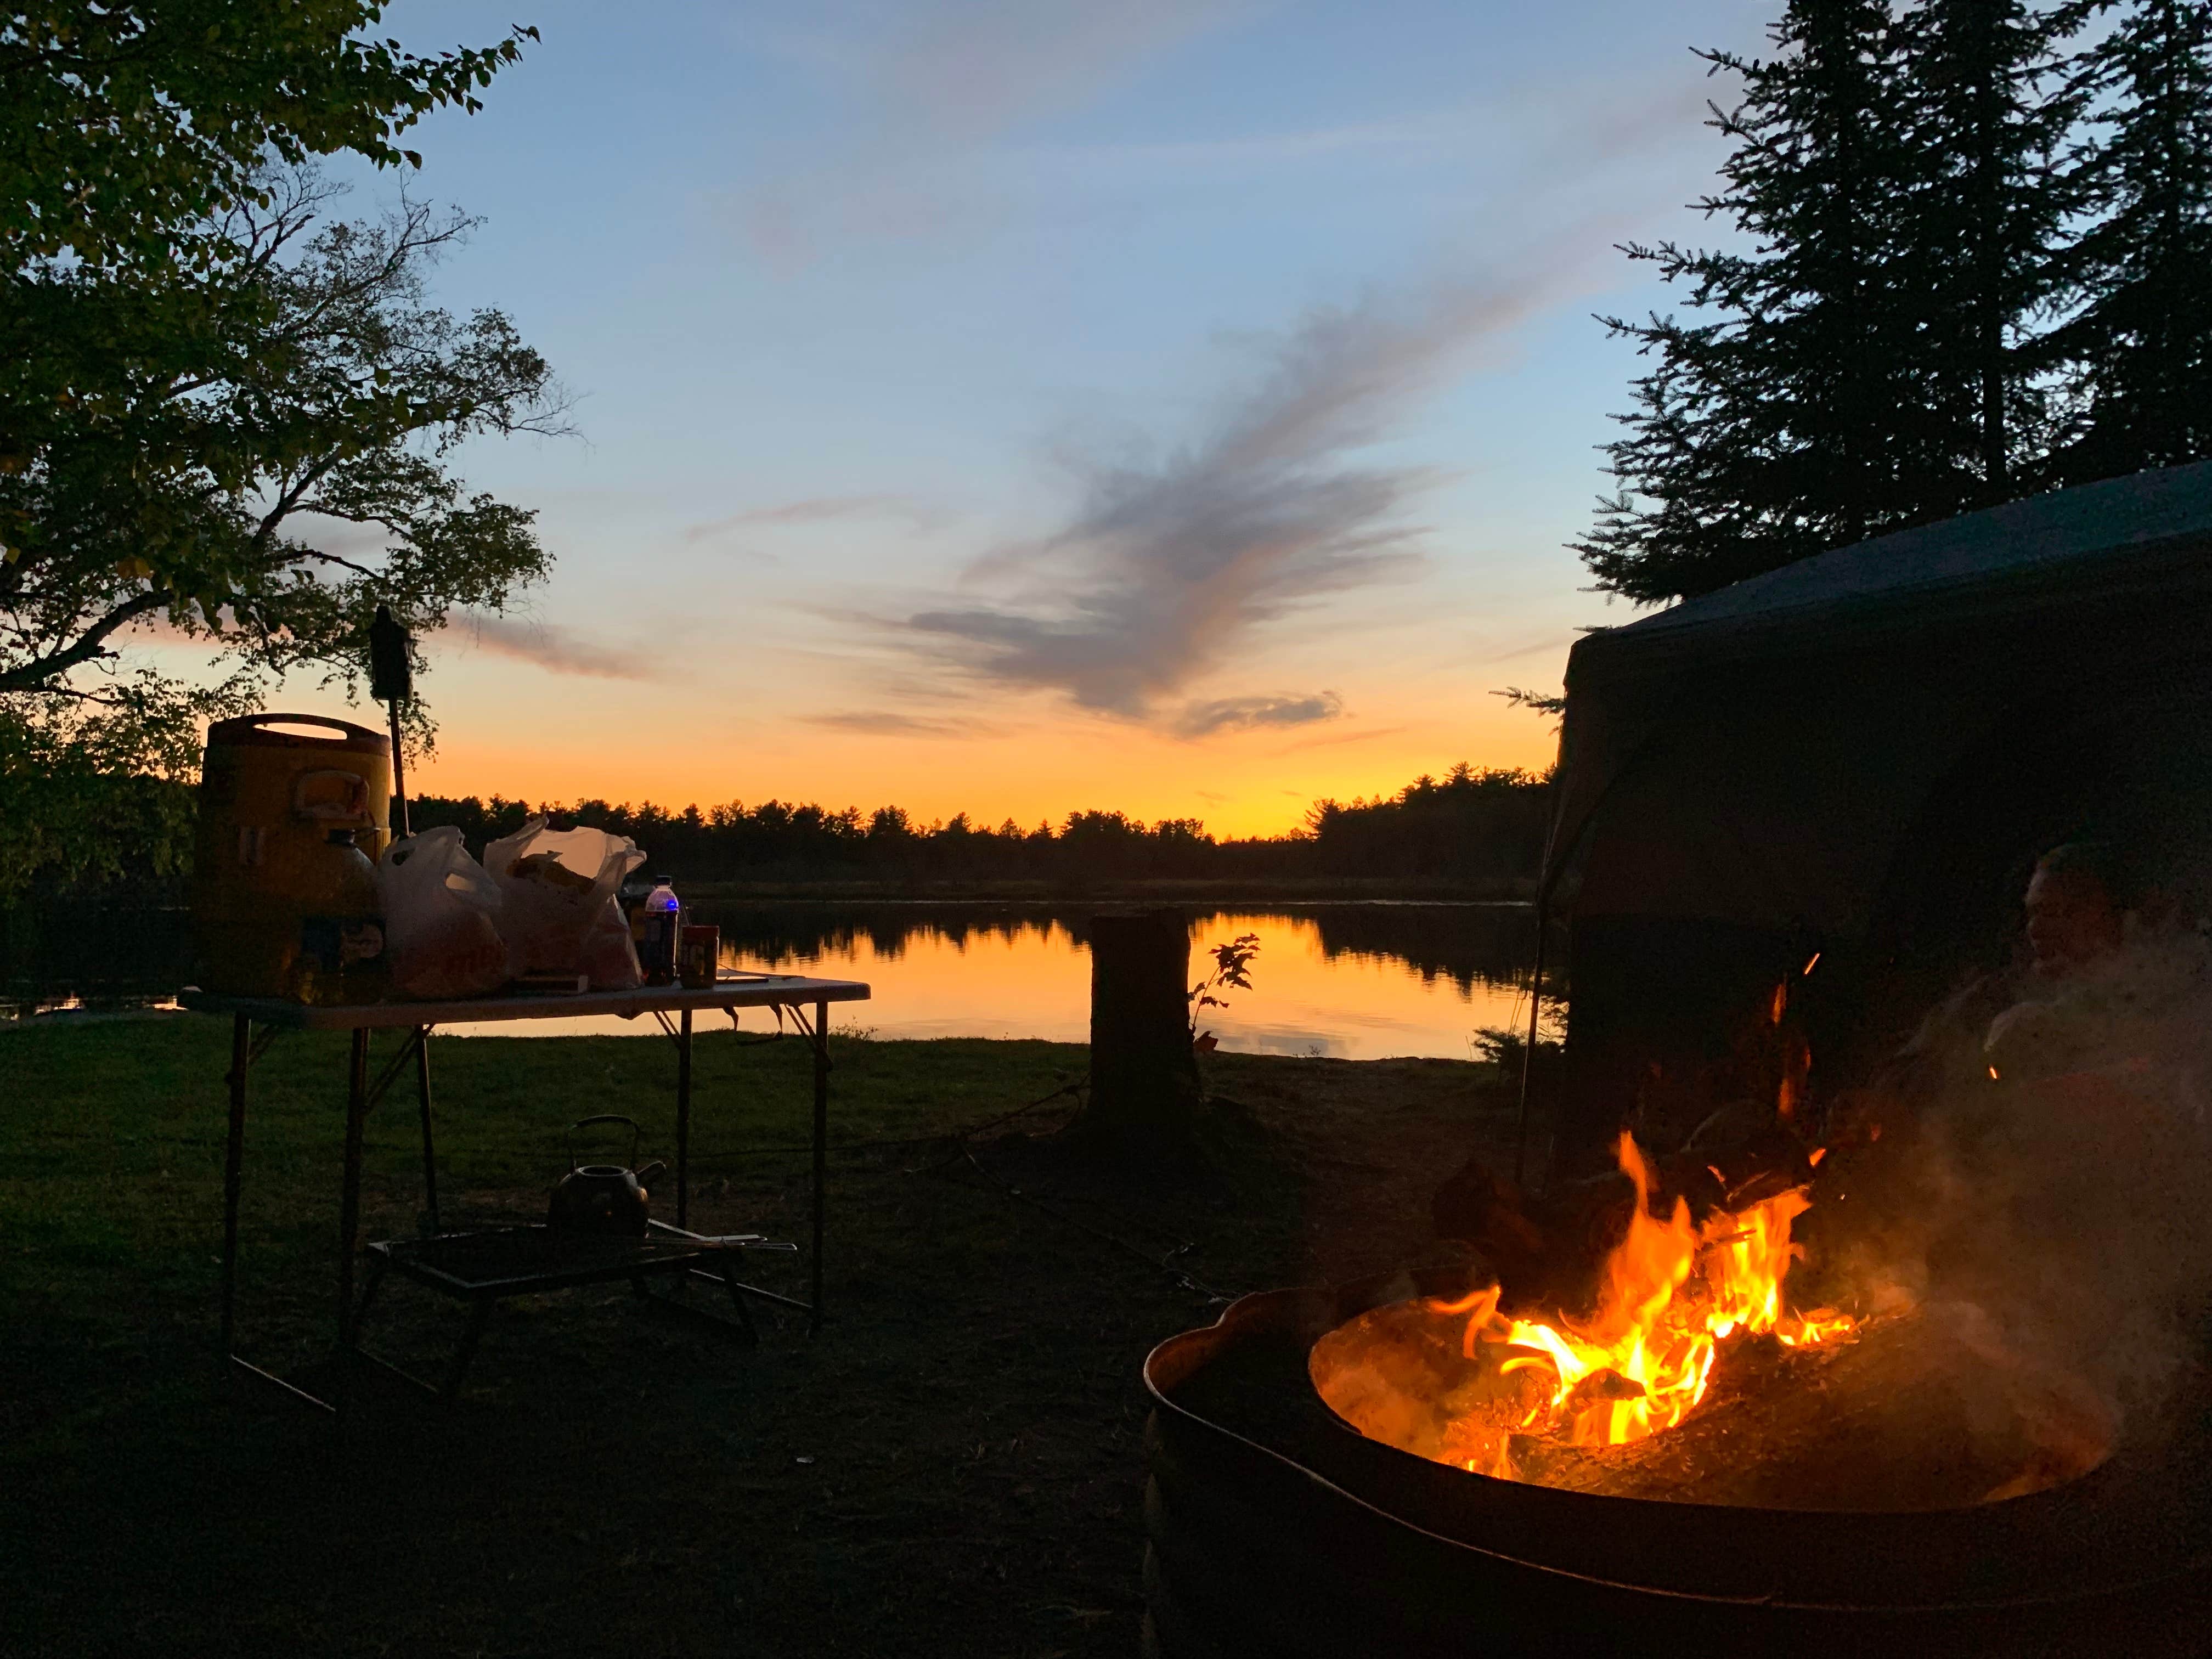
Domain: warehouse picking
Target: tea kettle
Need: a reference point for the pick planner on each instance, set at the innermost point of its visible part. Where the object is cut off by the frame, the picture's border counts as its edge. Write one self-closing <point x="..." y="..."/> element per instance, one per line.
<point x="602" y="1197"/>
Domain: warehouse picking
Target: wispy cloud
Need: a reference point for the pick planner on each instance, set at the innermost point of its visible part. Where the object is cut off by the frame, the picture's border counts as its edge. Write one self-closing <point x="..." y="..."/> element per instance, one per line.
<point x="1204" y="719"/>
<point x="556" y="650"/>
<point x="922" y="516"/>
<point x="1168" y="567"/>
<point x="939" y="82"/>
<point x="877" y="722"/>
<point x="1361" y="734"/>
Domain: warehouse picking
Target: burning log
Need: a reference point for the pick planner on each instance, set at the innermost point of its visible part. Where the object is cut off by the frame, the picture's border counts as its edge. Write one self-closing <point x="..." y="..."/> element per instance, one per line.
<point x="1899" y="1419"/>
<point x="1670" y="1289"/>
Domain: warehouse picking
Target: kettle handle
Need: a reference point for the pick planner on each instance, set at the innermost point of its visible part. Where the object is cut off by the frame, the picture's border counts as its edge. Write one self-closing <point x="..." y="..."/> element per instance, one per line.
<point x="604" y="1117"/>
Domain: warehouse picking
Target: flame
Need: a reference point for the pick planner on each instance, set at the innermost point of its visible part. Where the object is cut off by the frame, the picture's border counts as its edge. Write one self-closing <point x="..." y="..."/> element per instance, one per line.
<point x="1671" y="1293"/>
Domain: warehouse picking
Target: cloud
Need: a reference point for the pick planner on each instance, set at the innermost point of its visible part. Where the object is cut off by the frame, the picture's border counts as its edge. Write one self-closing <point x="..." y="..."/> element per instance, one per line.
<point x="972" y="68"/>
<point x="1203" y="720"/>
<point x="932" y="90"/>
<point x="884" y="723"/>
<point x="922" y="516"/>
<point x="1365" y="734"/>
<point x="556" y="650"/>
<point x="1169" y="569"/>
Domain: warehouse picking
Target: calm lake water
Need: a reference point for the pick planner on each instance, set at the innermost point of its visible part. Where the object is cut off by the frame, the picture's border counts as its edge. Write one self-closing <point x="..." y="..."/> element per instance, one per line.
<point x="1359" y="979"/>
<point x="1356" y="980"/>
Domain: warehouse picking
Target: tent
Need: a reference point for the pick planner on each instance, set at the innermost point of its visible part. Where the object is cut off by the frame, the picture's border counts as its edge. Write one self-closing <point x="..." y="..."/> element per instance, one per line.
<point x="1859" y="756"/>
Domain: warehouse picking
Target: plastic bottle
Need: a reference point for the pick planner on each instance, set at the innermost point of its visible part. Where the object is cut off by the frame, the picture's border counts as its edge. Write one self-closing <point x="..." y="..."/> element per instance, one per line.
<point x="341" y="956"/>
<point x="660" y="928"/>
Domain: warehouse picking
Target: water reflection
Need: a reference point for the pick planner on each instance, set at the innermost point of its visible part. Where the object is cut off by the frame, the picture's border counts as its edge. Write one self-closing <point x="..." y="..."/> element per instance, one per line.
<point x="1356" y="980"/>
<point x="1359" y="979"/>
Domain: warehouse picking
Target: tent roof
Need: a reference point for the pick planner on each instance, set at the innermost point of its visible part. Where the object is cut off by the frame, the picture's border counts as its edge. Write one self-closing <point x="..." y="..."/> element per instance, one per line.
<point x="2131" y="547"/>
<point x="1979" y="563"/>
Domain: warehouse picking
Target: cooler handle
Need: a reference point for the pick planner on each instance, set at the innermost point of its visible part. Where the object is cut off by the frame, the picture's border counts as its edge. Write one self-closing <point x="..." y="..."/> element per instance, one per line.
<point x="241" y="722"/>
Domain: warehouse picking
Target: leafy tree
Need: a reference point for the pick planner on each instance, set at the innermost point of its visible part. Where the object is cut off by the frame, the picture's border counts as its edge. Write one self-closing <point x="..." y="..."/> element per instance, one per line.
<point x="234" y="489"/>
<point x="2140" y="350"/>
<point x="1769" y="429"/>
<point x="221" y="414"/>
<point x="129" y="129"/>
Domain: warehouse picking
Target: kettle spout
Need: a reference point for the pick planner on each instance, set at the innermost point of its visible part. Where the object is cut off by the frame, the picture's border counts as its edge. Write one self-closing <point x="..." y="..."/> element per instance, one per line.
<point x="651" y="1172"/>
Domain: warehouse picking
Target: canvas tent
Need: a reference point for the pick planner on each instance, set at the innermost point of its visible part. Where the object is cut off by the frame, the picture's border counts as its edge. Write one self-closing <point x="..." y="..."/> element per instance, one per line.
<point x="1859" y="754"/>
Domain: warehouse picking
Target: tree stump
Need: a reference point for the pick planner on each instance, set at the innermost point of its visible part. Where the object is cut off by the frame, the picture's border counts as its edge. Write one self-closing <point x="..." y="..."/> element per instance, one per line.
<point x="1144" y="1077"/>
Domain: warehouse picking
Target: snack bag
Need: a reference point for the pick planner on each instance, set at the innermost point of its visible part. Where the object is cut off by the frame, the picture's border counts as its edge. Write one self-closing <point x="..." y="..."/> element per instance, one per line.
<point x="441" y="910"/>
<point x="555" y="886"/>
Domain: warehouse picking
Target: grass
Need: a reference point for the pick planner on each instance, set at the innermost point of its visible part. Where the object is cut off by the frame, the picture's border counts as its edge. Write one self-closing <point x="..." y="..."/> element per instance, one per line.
<point x="953" y="1467"/>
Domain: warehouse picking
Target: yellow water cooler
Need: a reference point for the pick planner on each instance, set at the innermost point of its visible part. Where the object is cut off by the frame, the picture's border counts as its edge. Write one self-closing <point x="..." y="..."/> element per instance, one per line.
<point x="283" y="884"/>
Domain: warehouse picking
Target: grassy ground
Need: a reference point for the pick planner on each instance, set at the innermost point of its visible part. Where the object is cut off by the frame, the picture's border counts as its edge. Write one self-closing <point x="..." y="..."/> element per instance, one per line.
<point x="953" y="1467"/>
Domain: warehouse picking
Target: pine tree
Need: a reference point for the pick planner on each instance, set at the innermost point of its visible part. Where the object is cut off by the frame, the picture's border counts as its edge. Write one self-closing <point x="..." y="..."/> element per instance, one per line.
<point x="1771" y="430"/>
<point x="1990" y="110"/>
<point x="2140" y="349"/>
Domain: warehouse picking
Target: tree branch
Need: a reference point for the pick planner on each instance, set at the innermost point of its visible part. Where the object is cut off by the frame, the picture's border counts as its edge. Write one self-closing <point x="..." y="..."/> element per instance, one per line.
<point x="91" y="644"/>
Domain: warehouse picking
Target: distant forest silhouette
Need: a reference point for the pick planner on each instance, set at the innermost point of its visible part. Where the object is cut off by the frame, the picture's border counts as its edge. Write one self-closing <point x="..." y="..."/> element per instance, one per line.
<point x="1472" y="826"/>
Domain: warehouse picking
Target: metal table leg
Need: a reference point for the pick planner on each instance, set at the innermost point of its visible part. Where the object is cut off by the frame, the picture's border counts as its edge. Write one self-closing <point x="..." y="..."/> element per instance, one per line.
<point x="350" y="1209"/>
<point x="423" y="1092"/>
<point x="242" y="1057"/>
<point x="683" y="1120"/>
<point x="821" y="1152"/>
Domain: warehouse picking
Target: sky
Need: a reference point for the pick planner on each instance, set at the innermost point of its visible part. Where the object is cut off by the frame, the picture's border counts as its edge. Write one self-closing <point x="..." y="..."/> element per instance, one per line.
<point x="1022" y="406"/>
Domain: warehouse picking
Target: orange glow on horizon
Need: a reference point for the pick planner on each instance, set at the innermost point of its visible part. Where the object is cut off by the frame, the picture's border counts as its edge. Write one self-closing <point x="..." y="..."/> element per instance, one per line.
<point x="1246" y="789"/>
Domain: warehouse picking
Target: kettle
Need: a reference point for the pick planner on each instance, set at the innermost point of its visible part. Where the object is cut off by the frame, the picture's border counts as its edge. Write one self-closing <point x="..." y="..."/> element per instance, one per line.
<point x="602" y="1197"/>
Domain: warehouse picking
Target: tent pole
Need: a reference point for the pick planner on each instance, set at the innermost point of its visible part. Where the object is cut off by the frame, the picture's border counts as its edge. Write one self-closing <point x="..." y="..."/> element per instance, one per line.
<point x="1528" y="1051"/>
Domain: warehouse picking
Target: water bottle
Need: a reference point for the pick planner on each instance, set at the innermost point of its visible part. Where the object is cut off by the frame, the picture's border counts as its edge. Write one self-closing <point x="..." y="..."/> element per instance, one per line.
<point x="340" y="957"/>
<point x="661" y="928"/>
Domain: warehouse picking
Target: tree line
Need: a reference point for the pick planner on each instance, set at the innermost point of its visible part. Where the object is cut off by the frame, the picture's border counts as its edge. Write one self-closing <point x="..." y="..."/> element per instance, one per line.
<point x="1971" y="262"/>
<point x="1470" y="826"/>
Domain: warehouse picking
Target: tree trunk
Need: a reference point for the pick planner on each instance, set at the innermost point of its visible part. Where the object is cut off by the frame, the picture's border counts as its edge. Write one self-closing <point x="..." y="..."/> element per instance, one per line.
<point x="1144" y="1077"/>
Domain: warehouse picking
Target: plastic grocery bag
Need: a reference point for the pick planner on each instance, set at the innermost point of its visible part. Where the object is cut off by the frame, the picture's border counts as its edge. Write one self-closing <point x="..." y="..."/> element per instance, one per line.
<point x="555" y="885"/>
<point x="441" y="918"/>
<point x="610" y="954"/>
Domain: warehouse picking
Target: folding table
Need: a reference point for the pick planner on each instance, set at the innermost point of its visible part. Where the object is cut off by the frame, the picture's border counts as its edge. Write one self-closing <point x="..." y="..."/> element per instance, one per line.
<point x="673" y="1006"/>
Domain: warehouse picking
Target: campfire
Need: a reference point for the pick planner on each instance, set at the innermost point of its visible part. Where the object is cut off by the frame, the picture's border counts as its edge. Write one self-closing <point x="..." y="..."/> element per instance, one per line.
<point x="1673" y="1293"/>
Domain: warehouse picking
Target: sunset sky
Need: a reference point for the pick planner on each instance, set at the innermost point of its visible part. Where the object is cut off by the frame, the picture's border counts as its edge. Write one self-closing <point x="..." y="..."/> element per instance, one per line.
<point x="1025" y="405"/>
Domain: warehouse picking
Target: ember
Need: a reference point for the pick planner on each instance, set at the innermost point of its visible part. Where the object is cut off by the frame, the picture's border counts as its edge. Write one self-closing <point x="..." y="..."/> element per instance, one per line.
<point x="1670" y="1293"/>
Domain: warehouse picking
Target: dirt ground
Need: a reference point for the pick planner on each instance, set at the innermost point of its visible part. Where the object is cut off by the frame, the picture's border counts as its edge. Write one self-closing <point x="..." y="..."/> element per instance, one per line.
<point x="954" y="1465"/>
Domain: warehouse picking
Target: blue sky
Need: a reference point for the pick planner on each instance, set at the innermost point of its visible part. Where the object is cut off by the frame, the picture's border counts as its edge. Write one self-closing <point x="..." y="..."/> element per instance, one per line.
<point x="1022" y="407"/>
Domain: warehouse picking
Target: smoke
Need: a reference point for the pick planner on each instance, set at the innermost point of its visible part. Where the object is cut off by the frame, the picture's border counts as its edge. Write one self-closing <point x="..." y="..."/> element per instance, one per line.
<point x="2045" y="1198"/>
<point x="1170" y="566"/>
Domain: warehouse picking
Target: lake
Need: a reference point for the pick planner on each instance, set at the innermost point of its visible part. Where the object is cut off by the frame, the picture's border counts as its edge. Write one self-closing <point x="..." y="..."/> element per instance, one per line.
<point x="1355" y="980"/>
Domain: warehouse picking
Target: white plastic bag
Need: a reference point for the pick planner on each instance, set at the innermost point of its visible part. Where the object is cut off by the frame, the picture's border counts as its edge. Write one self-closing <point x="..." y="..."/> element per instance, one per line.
<point x="609" y="954"/>
<point x="555" y="885"/>
<point x="441" y="918"/>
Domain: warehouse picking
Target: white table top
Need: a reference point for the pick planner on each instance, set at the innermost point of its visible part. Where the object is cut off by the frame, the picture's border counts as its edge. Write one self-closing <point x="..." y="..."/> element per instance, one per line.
<point x="730" y="991"/>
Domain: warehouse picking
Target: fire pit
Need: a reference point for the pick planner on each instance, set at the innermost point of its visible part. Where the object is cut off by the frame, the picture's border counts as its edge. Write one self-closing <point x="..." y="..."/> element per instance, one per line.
<point x="1275" y="1528"/>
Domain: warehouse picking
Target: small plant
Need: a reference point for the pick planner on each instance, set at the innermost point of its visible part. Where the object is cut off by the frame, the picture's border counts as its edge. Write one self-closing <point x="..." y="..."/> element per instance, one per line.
<point x="1232" y="963"/>
<point x="1504" y="1047"/>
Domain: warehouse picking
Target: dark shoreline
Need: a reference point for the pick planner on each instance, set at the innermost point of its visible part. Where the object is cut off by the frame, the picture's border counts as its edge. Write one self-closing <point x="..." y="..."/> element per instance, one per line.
<point x="1213" y="893"/>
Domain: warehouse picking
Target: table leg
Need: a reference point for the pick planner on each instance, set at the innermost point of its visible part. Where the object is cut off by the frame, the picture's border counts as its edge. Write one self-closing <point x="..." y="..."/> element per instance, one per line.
<point x="422" y="1091"/>
<point x="821" y="1150"/>
<point x="233" y="1169"/>
<point x="349" y="1208"/>
<point x="683" y="1120"/>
